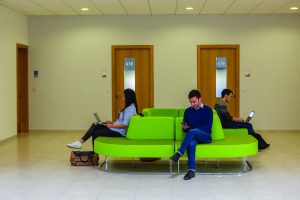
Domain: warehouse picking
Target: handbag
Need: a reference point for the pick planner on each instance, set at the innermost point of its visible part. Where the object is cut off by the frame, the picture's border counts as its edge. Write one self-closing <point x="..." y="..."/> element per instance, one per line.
<point x="84" y="158"/>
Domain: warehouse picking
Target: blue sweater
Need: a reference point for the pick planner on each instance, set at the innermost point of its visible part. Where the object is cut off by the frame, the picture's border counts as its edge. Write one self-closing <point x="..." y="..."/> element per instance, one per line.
<point x="201" y="118"/>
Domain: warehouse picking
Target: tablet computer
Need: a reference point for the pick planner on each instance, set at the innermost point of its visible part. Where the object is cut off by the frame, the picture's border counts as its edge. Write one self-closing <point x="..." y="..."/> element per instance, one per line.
<point x="250" y="116"/>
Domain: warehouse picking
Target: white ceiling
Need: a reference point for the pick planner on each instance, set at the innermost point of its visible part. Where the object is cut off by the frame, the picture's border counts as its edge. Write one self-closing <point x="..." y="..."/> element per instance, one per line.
<point x="151" y="7"/>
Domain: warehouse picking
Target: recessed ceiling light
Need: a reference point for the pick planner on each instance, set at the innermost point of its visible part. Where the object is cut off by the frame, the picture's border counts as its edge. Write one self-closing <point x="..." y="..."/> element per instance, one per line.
<point x="84" y="9"/>
<point x="294" y="8"/>
<point x="189" y="8"/>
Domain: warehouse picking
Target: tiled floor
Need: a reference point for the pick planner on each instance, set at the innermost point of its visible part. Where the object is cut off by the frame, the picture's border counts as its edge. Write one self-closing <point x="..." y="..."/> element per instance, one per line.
<point x="37" y="167"/>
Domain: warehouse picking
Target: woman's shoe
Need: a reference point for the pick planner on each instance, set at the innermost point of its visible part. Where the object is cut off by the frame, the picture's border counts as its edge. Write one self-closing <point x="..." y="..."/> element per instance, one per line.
<point x="75" y="145"/>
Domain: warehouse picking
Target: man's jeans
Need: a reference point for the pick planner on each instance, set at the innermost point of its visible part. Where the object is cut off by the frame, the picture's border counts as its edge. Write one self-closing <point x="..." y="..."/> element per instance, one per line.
<point x="192" y="138"/>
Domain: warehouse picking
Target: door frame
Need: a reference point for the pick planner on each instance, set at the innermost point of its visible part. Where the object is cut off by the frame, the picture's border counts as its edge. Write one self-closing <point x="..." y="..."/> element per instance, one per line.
<point x="236" y="47"/>
<point x="114" y="48"/>
<point x="26" y="110"/>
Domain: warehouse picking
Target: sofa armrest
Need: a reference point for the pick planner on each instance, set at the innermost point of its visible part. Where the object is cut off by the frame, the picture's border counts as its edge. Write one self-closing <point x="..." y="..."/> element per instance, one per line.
<point x="146" y="112"/>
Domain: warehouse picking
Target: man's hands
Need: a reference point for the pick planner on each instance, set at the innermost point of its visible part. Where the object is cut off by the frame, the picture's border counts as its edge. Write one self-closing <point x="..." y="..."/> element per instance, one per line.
<point x="185" y="126"/>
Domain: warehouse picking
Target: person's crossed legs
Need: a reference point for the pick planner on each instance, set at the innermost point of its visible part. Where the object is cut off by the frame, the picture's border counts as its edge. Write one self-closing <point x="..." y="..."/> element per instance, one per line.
<point x="192" y="138"/>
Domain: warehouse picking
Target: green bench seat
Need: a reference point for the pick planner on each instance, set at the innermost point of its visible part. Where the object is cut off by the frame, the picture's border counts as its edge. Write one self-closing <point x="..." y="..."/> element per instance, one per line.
<point x="225" y="143"/>
<point x="122" y="147"/>
<point x="232" y="146"/>
<point x="146" y="137"/>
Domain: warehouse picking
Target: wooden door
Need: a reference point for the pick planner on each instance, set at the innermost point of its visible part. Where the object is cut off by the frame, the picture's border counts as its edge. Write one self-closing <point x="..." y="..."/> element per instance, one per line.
<point x="209" y="59"/>
<point x="141" y="59"/>
<point x="22" y="89"/>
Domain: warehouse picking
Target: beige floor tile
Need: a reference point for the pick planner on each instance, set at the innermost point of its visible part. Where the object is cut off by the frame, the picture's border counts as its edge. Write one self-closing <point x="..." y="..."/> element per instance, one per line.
<point x="37" y="167"/>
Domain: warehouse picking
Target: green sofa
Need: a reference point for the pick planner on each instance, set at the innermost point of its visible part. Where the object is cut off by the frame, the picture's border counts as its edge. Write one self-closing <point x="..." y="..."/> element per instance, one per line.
<point x="160" y="136"/>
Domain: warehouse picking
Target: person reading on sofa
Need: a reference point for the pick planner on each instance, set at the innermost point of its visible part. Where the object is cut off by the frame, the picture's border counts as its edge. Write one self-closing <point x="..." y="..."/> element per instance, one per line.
<point x="112" y="129"/>
<point x="232" y="122"/>
<point x="197" y="124"/>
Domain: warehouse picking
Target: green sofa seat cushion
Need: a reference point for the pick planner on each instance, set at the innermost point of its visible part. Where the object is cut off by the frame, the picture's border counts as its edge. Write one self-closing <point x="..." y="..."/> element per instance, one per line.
<point x="163" y="112"/>
<point x="232" y="146"/>
<point x="122" y="147"/>
<point x="239" y="131"/>
<point x="151" y="128"/>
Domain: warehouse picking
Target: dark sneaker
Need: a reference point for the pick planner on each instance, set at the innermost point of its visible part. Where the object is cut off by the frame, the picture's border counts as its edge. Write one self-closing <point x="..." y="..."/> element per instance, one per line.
<point x="261" y="147"/>
<point x="175" y="157"/>
<point x="190" y="174"/>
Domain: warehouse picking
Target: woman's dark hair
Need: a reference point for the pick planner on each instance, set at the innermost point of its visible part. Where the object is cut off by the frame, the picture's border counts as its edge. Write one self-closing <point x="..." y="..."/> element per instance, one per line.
<point x="130" y="98"/>
<point x="194" y="93"/>
<point x="226" y="91"/>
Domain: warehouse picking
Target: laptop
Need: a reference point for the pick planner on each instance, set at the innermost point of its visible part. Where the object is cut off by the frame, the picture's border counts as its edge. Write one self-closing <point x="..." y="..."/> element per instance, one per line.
<point x="98" y="121"/>
<point x="250" y="116"/>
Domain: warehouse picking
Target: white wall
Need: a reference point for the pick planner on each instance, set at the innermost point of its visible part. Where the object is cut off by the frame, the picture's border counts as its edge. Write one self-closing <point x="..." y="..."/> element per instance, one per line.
<point x="71" y="52"/>
<point x="13" y="29"/>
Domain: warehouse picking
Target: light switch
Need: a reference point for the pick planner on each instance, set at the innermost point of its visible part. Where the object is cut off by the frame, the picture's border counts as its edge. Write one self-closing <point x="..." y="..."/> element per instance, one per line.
<point x="104" y="73"/>
<point x="36" y="73"/>
<point x="247" y="73"/>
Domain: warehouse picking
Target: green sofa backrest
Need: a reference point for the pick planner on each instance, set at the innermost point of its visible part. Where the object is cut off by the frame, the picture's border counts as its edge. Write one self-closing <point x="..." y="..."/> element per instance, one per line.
<point x="181" y="112"/>
<point x="166" y="112"/>
<point x="151" y="128"/>
<point x="217" y="130"/>
<point x="160" y="112"/>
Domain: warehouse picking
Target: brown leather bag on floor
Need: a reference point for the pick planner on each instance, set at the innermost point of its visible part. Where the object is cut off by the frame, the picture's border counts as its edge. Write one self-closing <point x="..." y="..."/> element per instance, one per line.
<point x="84" y="158"/>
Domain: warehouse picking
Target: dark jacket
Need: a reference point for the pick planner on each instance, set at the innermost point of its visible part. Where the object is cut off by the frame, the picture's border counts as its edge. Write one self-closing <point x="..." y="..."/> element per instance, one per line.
<point x="225" y="117"/>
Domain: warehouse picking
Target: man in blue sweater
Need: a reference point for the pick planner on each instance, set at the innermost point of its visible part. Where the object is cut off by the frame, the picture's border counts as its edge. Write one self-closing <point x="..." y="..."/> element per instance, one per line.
<point x="197" y="123"/>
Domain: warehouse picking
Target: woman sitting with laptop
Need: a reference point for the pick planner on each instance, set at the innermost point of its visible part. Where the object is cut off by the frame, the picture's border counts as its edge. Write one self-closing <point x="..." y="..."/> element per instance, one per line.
<point x="231" y="122"/>
<point x="111" y="129"/>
